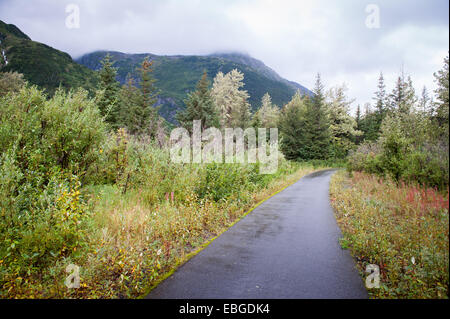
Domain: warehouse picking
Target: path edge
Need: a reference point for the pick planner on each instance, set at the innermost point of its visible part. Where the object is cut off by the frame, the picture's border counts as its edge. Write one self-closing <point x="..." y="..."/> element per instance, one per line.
<point x="187" y="257"/>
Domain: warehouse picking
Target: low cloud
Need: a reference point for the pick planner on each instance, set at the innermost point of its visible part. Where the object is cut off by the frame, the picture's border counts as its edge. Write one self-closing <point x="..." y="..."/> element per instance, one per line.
<point x="295" y="38"/>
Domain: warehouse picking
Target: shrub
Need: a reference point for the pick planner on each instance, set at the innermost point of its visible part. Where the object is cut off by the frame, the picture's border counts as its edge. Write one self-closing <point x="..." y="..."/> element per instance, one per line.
<point x="404" y="154"/>
<point x="11" y="82"/>
<point x="219" y="181"/>
<point x="47" y="146"/>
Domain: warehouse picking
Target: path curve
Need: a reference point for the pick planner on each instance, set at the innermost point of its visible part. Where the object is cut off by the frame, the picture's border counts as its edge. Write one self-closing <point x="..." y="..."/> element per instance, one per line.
<point x="285" y="248"/>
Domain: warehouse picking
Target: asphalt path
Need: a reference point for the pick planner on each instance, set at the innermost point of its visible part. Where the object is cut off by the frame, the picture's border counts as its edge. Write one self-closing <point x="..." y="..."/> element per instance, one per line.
<point x="288" y="247"/>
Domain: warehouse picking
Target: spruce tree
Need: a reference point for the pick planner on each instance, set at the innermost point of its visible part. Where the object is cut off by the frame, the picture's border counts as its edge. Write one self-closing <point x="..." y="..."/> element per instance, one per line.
<point x="358" y="139"/>
<point x="199" y="106"/>
<point x="267" y="115"/>
<point x="369" y="124"/>
<point x="358" y="116"/>
<point x="317" y="124"/>
<point x="107" y="93"/>
<point x="243" y="116"/>
<point x="397" y="96"/>
<point x="442" y="100"/>
<point x="292" y="129"/>
<point x="380" y="102"/>
<point x="130" y="101"/>
<point x="145" y="112"/>
<point x="425" y="101"/>
<point x="402" y="98"/>
<point x="342" y="126"/>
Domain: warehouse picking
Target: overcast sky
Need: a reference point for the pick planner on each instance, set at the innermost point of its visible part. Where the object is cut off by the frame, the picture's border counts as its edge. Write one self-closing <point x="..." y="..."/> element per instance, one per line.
<point x="296" y="38"/>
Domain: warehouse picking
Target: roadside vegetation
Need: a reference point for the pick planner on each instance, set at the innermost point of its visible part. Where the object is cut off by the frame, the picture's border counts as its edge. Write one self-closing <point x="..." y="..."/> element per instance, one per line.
<point x="402" y="228"/>
<point x="406" y="137"/>
<point x="89" y="181"/>
<point x="392" y="203"/>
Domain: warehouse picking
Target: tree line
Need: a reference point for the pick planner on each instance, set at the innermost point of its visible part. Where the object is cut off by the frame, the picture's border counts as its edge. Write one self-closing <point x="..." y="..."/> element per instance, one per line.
<point x="406" y="136"/>
<point x="403" y="135"/>
<point x="311" y="127"/>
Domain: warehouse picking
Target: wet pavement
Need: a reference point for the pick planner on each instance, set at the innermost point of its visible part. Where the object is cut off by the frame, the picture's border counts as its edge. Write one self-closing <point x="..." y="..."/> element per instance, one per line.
<point x="286" y="248"/>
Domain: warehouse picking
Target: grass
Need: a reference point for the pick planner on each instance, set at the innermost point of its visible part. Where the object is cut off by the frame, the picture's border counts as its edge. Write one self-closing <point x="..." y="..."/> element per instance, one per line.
<point x="404" y="229"/>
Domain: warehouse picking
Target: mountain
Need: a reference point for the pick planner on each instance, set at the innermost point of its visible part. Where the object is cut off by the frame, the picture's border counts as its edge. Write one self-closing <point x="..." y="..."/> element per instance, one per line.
<point x="258" y="65"/>
<point x="40" y="64"/>
<point x="178" y="75"/>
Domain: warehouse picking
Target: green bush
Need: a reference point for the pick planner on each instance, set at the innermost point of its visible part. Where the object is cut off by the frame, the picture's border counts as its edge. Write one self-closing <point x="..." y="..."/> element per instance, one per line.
<point x="220" y="181"/>
<point x="47" y="148"/>
<point x="425" y="169"/>
<point x="403" y="154"/>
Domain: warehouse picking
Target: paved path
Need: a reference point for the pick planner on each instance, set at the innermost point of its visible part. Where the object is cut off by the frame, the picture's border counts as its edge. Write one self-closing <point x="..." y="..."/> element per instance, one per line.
<point x="286" y="248"/>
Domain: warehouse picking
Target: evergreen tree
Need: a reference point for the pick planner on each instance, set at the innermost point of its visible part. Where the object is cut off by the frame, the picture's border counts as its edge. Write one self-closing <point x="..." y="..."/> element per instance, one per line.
<point x="358" y="116"/>
<point x="410" y="102"/>
<point x="130" y="101"/>
<point x="107" y="93"/>
<point x="292" y="129"/>
<point x="342" y="126"/>
<point x="243" y="114"/>
<point x="442" y="99"/>
<point x="317" y="124"/>
<point x="199" y="106"/>
<point x="403" y="97"/>
<point x="145" y="112"/>
<point x="267" y="114"/>
<point x="380" y="104"/>
<point x="358" y="119"/>
<point x="425" y="101"/>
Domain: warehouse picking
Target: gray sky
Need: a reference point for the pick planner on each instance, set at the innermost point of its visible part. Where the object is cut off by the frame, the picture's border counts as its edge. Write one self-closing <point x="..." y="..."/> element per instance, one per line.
<point x="296" y="38"/>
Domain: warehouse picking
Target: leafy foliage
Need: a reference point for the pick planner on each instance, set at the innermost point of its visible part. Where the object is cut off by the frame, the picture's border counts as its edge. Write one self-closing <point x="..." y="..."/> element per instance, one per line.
<point x="11" y="82"/>
<point x="47" y="147"/>
<point x="231" y="100"/>
<point x="72" y="191"/>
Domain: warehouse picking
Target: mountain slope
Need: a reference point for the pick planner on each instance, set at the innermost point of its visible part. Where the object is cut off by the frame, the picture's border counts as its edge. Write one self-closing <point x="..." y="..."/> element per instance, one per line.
<point x="178" y="75"/>
<point x="260" y="67"/>
<point x="40" y="64"/>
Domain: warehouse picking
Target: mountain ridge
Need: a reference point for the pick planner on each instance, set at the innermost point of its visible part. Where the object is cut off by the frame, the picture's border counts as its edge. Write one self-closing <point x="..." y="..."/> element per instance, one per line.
<point x="177" y="75"/>
<point x="247" y="59"/>
<point x="41" y="64"/>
